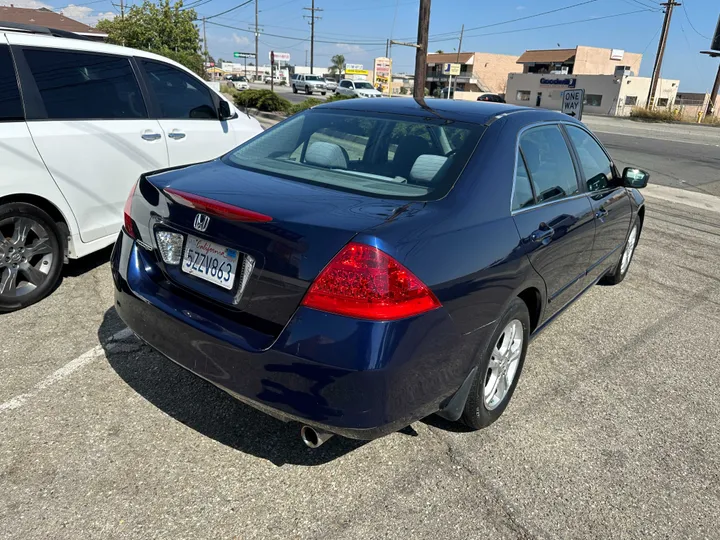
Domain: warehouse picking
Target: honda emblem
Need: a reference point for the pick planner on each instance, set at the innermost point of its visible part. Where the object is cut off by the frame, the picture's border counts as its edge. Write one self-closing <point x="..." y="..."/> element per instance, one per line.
<point x="201" y="222"/>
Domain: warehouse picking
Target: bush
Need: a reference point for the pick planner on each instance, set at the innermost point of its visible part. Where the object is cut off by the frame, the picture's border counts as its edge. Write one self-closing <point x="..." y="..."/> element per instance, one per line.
<point x="304" y="105"/>
<point x="657" y="115"/>
<point x="339" y="97"/>
<point x="403" y="90"/>
<point x="262" y="100"/>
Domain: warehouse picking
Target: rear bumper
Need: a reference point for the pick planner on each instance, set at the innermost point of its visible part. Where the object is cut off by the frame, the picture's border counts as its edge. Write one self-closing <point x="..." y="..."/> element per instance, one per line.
<point x="354" y="378"/>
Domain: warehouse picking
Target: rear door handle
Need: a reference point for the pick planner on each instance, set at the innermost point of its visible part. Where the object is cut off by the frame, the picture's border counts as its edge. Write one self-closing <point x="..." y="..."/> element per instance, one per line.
<point x="151" y="136"/>
<point x="601" y="213"/>
<point x="175" y="134"/>
<point x="543" y="233"/>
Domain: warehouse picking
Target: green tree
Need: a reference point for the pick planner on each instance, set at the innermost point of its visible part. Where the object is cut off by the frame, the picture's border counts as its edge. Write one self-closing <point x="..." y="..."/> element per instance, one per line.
<point x="160" y="28"/>
<point x="338" y="65"/>
<point x="439" y="51"/>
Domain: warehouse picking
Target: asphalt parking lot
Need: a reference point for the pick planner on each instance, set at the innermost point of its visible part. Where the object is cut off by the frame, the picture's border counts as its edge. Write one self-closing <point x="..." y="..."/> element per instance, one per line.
<point x="612" y="432"/>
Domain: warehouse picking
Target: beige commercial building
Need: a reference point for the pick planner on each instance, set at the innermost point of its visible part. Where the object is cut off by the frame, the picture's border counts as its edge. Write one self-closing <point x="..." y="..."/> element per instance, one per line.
<point x="581" y="61"/>
<point x="604" y="94"/>
<point x="479" y="72"/>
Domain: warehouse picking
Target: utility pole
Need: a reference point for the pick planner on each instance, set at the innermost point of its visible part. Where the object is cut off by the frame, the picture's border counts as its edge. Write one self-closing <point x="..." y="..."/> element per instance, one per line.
<point x="657" y="68"/>
<point x="257" y="57"/>
<point x="306" y="51"/>
<point x="422" y="48"/>
<point x="387" y="48"/>
<point x="205" y="48"/>
<point x="312" y="18"/>
<point x="714" y="53"/>
<point x="457" y="58"/>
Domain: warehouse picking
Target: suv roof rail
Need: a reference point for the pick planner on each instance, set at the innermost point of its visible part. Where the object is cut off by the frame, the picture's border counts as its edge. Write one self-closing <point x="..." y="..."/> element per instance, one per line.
<point x="35" y="29"/>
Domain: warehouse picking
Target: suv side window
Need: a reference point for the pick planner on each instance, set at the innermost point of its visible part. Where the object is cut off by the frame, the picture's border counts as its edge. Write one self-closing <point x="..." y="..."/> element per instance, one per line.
<point x="85" y="86"/>
<point x="549" y="164"/>
<point x="596" y="166"/>
<point x="346" y="84"/>
<point x="10" y="105"/>
<point x="179" y="95"/>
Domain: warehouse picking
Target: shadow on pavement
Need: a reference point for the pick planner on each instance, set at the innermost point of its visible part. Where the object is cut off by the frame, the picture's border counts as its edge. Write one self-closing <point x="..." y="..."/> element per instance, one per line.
<point x="77" y="267"/>
<point x="210" y="411"/>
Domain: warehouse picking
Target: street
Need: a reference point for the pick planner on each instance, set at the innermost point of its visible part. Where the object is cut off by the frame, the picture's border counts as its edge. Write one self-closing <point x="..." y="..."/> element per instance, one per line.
<point x="287" y="93"/>
<point x="612" y="431"/>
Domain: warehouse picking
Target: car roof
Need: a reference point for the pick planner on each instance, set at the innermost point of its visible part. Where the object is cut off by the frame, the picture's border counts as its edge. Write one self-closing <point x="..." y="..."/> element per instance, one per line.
<point x="478" y="112"/>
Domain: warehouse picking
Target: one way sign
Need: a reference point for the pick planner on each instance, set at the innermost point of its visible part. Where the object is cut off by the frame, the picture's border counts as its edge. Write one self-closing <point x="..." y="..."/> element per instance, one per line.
<point x="572" y="102"/>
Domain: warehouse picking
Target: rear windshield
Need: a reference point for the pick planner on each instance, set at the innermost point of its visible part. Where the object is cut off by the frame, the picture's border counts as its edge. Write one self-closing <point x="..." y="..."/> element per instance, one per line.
<point x="386" y="156"/>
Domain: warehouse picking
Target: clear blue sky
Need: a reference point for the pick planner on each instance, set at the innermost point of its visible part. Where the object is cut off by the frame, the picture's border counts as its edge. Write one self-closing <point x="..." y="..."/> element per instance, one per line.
<point x="358" y="29"/>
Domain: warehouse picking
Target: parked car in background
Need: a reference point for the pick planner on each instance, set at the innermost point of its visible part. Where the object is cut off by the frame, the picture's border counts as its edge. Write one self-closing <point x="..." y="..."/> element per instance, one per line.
<point x="309" y="84"/>
<point x="494" y="98"/>
<point x="331" y="85"/>
<point x="240" y="82"/>
<point x="366" y="263"/>
<point x="90" y="119"/>
<point x="362" y="89"/>
<point x="444" y="93"/>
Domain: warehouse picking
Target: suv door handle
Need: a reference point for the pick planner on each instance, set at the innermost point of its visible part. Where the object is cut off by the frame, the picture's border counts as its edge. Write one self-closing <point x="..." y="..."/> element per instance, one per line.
<point x="175" y="134"/>
<point x="601" y="213"/>
<point x="149" y="136"/>
<point x="543" y="233"/>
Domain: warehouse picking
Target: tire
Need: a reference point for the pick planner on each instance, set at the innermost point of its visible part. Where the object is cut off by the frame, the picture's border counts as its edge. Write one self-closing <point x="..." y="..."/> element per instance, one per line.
<point x="323" y="93"/>
<point x="483" y="407"/>
<point x="622" y="267"/>
<point x="307" y="91"/>
<point x="294" y="89"/>
<point x="31" y="255"/>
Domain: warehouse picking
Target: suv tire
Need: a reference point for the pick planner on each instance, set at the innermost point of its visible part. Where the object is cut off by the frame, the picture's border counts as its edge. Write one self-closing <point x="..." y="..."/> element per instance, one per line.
<point x="308" y="91"/>
<point x="294" y="89"/>
<point x="31" y="255"/>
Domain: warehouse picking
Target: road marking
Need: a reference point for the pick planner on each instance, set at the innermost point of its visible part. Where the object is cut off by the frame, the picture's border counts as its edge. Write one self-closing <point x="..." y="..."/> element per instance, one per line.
<point x="64" y="372"/>
<point x="682" y="196"/>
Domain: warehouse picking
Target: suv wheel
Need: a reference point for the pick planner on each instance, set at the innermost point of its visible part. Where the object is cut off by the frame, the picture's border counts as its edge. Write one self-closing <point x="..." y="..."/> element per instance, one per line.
<point x="308" y="91"/>
<point x="31" y="255"/>
<point x="294" y="89"/>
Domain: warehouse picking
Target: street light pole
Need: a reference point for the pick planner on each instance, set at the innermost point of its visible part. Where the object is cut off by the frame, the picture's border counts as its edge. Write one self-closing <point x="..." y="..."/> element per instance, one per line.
<point x="422" y="48"/>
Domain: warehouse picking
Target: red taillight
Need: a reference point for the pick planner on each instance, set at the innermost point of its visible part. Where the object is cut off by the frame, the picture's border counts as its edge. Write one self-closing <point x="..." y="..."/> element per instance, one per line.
<point x="216" y="208"/>
<point x="364" y="282"/>
<point x="127" y="211"/>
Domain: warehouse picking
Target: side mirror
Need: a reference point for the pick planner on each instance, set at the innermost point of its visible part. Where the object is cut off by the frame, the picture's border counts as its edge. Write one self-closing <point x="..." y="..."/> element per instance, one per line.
<point x="635" y="178"/>
<point x="224" y="111"/>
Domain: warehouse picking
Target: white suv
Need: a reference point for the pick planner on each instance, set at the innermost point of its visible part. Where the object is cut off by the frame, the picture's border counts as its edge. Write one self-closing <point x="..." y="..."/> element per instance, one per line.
<point x="79" y="122"/>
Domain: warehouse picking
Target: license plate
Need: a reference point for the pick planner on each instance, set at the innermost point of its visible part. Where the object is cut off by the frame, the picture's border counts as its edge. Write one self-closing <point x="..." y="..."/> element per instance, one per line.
<point x="210" y="261"/>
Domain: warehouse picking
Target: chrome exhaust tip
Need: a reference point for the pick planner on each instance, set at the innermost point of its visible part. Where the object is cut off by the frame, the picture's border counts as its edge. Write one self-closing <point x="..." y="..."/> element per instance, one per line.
<point x="314" y="438"/>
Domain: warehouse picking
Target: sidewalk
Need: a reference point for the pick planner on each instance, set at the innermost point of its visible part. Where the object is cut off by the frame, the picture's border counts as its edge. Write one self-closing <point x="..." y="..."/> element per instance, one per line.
<point x="689" y="133"/>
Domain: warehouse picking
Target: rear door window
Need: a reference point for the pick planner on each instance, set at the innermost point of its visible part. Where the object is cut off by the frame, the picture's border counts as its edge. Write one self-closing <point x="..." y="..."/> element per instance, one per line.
<point x="10" y="104"/>
<point x="179" y="95"/>
<point x="83" y="86"/>
<point x="548" y="161"/>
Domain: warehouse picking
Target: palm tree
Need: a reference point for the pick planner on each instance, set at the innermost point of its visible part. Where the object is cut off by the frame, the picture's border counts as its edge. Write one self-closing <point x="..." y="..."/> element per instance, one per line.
<point x="338" y="65"/>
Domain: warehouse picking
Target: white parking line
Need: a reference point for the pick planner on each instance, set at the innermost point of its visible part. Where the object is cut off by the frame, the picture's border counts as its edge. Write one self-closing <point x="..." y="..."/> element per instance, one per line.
<point x="65" y="371"/>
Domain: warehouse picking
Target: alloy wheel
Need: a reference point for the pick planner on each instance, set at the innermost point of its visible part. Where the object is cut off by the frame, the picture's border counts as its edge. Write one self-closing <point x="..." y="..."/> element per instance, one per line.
<point x="629" y="249"/>
<point x="503" y="365"/>
<point x="26" y="256"/>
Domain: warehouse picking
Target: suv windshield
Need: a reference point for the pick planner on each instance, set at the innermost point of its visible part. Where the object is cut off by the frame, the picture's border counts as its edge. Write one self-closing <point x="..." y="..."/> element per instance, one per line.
<point x="385" y="156"/>
<point x="364" y="85"/>
<point x="313" y="78"/>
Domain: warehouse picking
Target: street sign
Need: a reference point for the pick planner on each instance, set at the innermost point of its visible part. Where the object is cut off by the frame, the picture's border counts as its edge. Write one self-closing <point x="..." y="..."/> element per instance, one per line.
<point x="572" y="102"/>
<point x="281" y="57"/>
<point x="451" y="69"/>
<point x="243" y="55"/>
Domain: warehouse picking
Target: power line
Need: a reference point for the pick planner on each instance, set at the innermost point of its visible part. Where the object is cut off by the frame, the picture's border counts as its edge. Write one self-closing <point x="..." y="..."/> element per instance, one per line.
<point x="229" y="10"/>
<point x="690" y="22"/>
<point x="546" y="25"/>
<point x="291" y="38"/>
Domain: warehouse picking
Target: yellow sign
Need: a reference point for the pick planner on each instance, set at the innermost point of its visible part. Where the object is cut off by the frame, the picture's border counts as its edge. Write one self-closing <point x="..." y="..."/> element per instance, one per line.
<point x="356" y="72"/>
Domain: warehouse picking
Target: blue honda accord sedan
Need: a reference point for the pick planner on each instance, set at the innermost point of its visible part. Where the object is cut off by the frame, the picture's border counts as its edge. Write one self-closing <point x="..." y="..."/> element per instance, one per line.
<point x="367" y="263"/>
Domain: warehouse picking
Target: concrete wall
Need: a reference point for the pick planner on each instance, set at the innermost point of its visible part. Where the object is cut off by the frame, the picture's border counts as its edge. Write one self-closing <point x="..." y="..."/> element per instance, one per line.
<point x="492" y="71"/>
<point x="613" y="91"/>
<point x="597" y="61"/>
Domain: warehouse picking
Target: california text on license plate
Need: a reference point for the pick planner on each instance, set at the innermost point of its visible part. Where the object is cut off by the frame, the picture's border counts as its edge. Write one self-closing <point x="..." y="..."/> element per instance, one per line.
<point x="210" y="261"/>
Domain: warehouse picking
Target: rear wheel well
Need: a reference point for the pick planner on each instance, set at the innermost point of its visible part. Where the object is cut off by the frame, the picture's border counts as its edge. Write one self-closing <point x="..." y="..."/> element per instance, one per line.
<point x="47" y="207"/>
<point x="533" y="301"/>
